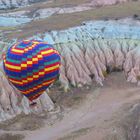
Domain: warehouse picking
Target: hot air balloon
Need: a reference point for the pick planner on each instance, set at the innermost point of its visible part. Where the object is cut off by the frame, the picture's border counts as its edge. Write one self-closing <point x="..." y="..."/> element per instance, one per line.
<point x="31" y="66"/>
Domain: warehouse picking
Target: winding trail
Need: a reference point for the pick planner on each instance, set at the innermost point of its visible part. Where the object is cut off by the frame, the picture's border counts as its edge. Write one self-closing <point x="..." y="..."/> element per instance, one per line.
<point x="93" y="117"/>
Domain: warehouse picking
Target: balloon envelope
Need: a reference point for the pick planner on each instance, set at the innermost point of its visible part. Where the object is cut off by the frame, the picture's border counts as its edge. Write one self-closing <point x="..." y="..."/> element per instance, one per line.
<point x="32" y="66"/>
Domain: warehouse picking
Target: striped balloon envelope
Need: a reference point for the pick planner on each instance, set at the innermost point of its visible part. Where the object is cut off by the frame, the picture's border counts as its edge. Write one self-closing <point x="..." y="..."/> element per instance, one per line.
<point x="31" y="66"/>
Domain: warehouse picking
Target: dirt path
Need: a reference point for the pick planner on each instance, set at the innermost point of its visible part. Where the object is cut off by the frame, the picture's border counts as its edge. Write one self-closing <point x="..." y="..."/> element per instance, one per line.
<point x="92" y="119"/>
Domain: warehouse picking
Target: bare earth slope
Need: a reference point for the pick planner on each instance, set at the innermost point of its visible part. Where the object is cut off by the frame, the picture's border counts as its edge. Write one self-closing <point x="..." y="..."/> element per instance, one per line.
<point x="96" y="116"/>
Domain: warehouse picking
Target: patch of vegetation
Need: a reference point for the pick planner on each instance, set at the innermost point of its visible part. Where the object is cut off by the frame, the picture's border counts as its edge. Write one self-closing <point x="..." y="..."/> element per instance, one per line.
<point x="7" y="28"/>
<point x="138" y="77"/>
<point x="105" y="73"/>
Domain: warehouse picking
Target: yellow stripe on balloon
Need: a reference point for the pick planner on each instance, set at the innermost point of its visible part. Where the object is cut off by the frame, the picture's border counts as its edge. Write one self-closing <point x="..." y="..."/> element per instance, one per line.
<point x="29" y="62"/>
<point x="12" y="67"/>
<point x="16" y="82"/>
<point x="23" y="65"/>
<point x="29" y="79"/>
<point x="24" y="81"/>
<point x="34" y="59"/>
<point x="18" y="51"/>
<point x="52" y="68"/>
<point x="35" y="76"/>
<point x="39" y="56"/>
<point x="48" y="82"/>
<point x="41" y="73"/>
<point x="47" y="52"/>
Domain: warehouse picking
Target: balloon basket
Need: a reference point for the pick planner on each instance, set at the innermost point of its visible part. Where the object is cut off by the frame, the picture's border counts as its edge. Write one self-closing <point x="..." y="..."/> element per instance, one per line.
<point x="33" y="104"/>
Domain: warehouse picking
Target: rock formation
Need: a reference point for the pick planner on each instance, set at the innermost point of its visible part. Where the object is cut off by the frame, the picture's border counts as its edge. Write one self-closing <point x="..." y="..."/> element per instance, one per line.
<point x="89" y="52"/>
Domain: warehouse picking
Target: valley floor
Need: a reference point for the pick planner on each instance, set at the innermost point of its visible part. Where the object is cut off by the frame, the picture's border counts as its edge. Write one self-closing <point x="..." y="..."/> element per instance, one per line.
<point x="98" y="113"/>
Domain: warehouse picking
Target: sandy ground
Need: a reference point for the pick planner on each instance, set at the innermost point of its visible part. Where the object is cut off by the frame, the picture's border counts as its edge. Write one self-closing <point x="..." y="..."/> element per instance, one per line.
<point x="97" y="113"/>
